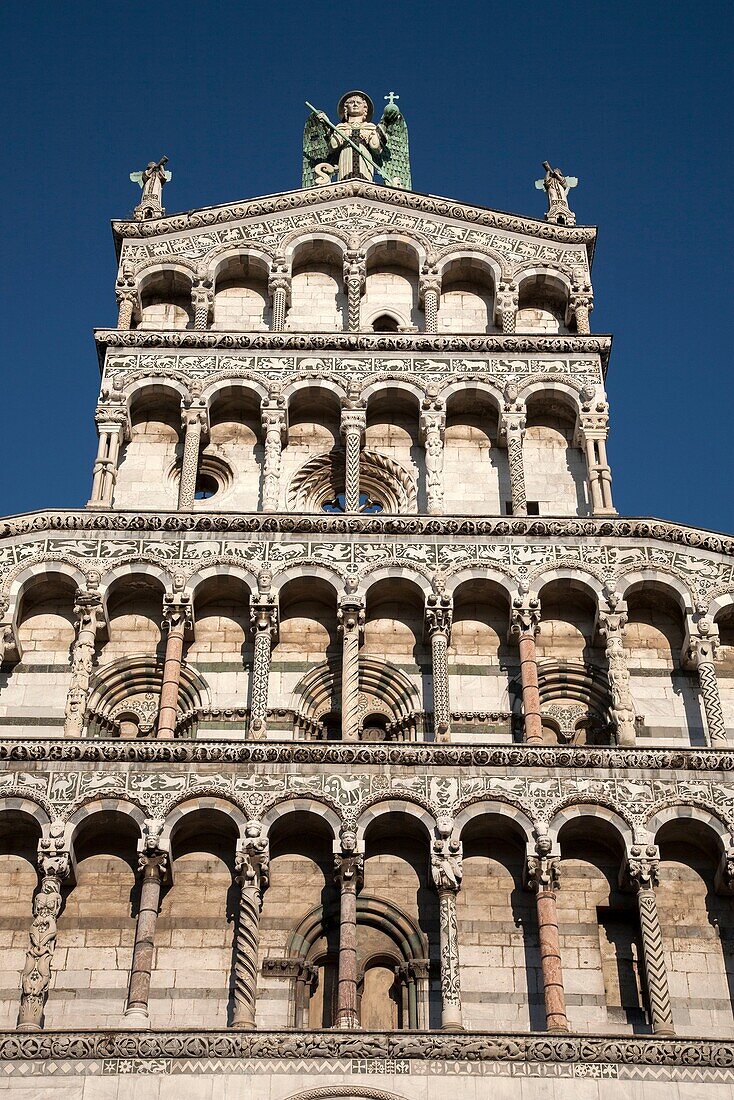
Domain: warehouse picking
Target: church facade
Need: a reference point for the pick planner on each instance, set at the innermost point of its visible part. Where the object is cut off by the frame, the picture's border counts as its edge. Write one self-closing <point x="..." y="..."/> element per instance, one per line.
<point x="353" y="745"/>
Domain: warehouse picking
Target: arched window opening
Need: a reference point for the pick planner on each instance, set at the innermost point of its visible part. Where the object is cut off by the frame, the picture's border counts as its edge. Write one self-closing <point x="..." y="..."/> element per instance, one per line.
<point x="206" y="487"/>
<point x="385" y="323"/>
<point x="374" y="728"/>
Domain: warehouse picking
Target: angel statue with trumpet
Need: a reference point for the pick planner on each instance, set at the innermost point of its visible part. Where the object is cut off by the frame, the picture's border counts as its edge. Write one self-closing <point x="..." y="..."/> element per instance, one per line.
<point x="361" y="148"/>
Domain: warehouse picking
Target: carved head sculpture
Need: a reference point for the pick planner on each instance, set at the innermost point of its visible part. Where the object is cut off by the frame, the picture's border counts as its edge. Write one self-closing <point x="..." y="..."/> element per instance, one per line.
<point x="355" y="107"/>
<point x="348" y="839"/>
<point x="264" y="581"/>
<point x="94" y="578"/>
<point x="511" y="392"/>
<point x="351" y="583"/>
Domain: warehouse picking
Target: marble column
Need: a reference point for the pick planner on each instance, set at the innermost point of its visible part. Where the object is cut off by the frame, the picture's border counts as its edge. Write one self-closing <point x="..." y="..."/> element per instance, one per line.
<point x="252" y="870"/>
<point x="55" y="866"/>
<point x="524" y="626"/>
<point x="195" y="424"/>
<point x="438" y="618"/>
<point x="432" y="430"/>
<point x="111" y="430"/>
<point x="279" y="288"/>
<point x="446" y="870"/>
<point x="542" y="877"/>
<point x="177" y="618"/>
<point x="642" y="867"/>
<point x="126" y="293"/>
<point x="700" y="653"/>
<point x="202" y="299"/>
<point x="591" y="435"/>
<point x="273" y="418"/>
<point x="153" y="868"/>
<point x="429" y="289"/>
<point x="264" y="622"/>
<point x="355" y="274"/>
<point x="611" y="625"/>
<point x="348" y="871"/>
<point x="506" y="306"/>
<point x="350" y="617"/>
<point x="86" y="610"/>
<point x="353" y="424"/>
<point x="512" y="434"/>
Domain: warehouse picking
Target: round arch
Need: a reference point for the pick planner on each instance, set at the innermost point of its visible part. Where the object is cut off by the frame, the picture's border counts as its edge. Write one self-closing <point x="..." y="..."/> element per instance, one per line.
<point x="285" y="806"/>
<point x="389" y="806"/>
<point x="578" y="810"/>
<point x="193" y="804"/>
<point x="497" y="808"/>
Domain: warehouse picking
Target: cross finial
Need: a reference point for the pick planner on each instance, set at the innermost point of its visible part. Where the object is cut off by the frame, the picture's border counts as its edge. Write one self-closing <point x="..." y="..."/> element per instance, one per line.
<point x="391" y="97"/>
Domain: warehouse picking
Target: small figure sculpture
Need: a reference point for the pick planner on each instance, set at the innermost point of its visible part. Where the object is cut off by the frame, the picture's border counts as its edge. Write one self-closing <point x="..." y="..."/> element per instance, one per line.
<point x="556" y="187"/>
<point x="152" y="180"/>
<point x="362" y="147"/>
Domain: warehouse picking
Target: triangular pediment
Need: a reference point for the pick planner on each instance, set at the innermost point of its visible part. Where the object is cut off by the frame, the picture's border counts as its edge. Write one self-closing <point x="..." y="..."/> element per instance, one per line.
<point x="355" y="208"/>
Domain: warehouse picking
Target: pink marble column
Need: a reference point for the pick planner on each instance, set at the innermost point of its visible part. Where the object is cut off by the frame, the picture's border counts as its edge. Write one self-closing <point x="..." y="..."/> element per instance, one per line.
<point x="542" y="875"/>
<point x="152" y="867"/>
<point x="525" y="624"/>
<point x="176" y="618"/>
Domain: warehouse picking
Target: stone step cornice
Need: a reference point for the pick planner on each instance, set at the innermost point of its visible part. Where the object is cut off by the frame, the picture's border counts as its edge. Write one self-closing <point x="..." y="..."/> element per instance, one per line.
<point x="304" y="198"/>
<point x="412" y="754"/>
<point x="471" y="1046"/>
<point x="352" y="342"/>
<point x="501" y="527"/>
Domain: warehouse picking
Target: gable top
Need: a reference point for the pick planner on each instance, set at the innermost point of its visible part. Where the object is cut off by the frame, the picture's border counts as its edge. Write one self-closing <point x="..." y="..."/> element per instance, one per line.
<point x="308" y="198"/>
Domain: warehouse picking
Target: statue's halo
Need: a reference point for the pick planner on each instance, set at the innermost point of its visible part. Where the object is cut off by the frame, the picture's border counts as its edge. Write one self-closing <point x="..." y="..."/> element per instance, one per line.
<point x="365" y="97"/>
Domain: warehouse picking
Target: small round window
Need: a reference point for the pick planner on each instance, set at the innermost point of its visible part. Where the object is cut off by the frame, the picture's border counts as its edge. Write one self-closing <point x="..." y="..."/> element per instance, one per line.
<point x="206" y="487"/>
<point x="338" y="505"/>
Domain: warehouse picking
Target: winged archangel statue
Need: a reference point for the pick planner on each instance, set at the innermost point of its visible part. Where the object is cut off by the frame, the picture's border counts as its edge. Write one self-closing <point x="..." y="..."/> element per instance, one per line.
<point x="556" y="187"/>
<point x="355" y="146"/>
<point x="152" y="179"/>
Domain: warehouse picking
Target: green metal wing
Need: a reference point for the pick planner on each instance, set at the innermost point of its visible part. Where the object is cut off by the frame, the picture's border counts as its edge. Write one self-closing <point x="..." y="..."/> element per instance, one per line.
<point x="395" y="158"/>
<point x="316" y="148"/>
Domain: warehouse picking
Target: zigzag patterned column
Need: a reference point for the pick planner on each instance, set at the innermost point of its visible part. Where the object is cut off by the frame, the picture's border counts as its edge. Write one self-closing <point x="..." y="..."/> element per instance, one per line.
<point x="701" y="653"/>
<point x="642" y="866"/>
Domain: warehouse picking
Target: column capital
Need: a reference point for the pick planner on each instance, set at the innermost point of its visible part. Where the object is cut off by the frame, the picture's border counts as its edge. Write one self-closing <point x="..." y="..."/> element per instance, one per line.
<point x="432" y="416"/>
<point x="264" y="617"/>
<point x="355" y="268"/>
<point x="194" y="412"/>
<point x="279" y="278"/>
<point x="177" y="609"/>
<point x="353" y="412"/>
<point x="55" y="858"/>
<point x="525" y="616"/>
<point x="112" y="418"/>
<point x="642" y="863"/>
<point x="543" y="871"/>
<point x="273" y="412"/>
<point x="87" y="602"/>
<point x="351" y="611"/>
<point x="506" y="304"/>
<point x="724" y="880"/>
<point x="612" y="621"/>
<point x="252" y="858"/>
<point x="439" y="608"/>
<point x="513" y="416"/>
<point x="446" y="863"/>
<point x="349" y="868"/>
<point x="701" y="643"/>
<point x="429" y="282"/>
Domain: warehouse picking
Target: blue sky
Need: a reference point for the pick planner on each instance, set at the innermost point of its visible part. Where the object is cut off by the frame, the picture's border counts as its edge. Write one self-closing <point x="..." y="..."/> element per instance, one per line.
<point x="634" y="99"/>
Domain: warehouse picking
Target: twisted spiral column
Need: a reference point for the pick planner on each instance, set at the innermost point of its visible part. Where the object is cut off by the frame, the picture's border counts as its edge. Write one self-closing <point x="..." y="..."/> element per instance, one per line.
<point x="251" y="869"/>
<point x="351" y="618"/>
<point x="353" y="422"/>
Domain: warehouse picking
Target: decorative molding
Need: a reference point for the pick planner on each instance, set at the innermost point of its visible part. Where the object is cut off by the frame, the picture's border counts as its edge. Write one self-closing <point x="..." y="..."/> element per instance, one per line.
<point x="424" y="754"/>
<point x="65" y="520"/>
<point x="312" y="197"/>
<point x="144" y="1047"/>
<point x="351" y="342"/>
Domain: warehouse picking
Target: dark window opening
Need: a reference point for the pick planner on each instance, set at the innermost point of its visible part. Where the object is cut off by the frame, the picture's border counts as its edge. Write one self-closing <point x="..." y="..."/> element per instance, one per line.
<point x="384" y="323"/>
<point x="339" y="504"/>
<point x="206" y="487"/>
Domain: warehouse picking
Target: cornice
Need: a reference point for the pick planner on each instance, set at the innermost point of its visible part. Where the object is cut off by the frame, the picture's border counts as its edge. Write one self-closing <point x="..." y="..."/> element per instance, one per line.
<point x="351" y="342"/>
<point x="205" y="217"/>
<point x="409" y="526"/>
<point x="408" y="754"/>
<point x="145" y="1046"/>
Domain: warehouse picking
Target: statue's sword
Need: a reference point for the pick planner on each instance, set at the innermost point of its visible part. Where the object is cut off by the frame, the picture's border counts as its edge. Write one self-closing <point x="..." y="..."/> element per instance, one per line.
<point x="349" y="141"/>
